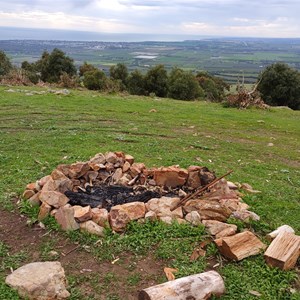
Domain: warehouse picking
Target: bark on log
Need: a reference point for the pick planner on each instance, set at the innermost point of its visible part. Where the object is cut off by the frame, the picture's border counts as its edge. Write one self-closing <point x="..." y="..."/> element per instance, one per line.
<point x="240" y="246"/>
<point x="283" y="251"/>
<point x="195" y="287"/>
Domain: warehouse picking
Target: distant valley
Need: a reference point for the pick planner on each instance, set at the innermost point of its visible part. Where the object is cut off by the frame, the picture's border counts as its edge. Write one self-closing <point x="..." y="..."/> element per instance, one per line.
<point x="229" y="58"/>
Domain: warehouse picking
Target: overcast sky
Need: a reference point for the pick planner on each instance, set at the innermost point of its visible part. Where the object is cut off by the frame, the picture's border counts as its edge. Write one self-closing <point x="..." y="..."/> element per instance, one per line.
<point x="247" y="18"/>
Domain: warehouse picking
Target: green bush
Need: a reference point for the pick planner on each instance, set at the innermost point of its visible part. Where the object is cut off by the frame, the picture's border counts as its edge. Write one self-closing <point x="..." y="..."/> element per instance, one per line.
<point x="95" y="80"/>
<point x="136" y="83"/>
<point x="119" y="73"/>
<point x="156" y="81"/>
<point x="183" y="85"/>
<point x="280" y="85"/>
<point x="5" y="64"/>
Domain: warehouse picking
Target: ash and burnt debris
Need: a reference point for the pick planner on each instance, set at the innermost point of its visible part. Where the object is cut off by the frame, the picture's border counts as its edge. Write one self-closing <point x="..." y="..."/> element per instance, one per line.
<point x="107" y="196"/>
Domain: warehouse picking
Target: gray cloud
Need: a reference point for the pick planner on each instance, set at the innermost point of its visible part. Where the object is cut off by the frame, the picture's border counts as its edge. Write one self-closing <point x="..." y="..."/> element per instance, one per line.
<point x="222" y="17"/>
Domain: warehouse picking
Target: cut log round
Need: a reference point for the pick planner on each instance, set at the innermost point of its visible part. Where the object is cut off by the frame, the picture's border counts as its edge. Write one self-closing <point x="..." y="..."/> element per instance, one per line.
<point x="197" y="287"/>
<point x="240" y="246"/>
<point x="283" y="251"/>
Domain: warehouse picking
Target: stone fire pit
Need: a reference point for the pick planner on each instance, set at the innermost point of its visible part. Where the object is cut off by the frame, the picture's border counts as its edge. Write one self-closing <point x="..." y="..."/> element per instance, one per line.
<point x="110" y="190"/>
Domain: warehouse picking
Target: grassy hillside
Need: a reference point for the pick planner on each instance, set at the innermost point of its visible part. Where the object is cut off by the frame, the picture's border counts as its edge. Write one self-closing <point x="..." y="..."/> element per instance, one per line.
<point x="38" y="132"/>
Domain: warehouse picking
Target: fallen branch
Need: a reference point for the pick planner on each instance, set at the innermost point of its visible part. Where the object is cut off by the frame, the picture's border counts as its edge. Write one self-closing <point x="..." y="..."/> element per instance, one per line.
<point x="198" y="192"/>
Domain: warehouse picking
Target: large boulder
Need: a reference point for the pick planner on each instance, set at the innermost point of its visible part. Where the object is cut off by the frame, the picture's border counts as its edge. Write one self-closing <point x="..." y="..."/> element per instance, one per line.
<point x="39" y="281"/>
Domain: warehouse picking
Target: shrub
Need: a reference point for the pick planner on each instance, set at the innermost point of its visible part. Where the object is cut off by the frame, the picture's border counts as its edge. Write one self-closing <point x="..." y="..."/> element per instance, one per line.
<point x="183" y="85"/>
<point x="136" y="83"/>
<point x="119" y="73"/>
<point x="95" y="80"/>
<point x="5" y="64"/>
<point x="156" y="81"/>
<point x="214" y="87"/>
<point x="52" y="66"/>
<point x="280" y="85"/>
<point x="86" y="68"/>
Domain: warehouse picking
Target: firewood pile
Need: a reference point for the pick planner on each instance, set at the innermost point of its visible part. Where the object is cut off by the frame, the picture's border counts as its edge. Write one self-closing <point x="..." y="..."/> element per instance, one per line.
<point x="111" y="190"/>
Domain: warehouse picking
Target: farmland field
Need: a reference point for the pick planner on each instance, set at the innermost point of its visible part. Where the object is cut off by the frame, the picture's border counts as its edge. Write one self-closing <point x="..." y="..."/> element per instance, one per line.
<point x="230" y="58"/>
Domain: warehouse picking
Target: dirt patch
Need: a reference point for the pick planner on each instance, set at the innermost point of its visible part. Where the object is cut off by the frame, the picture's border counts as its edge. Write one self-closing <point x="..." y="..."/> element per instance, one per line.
<point x="97" y="280"/>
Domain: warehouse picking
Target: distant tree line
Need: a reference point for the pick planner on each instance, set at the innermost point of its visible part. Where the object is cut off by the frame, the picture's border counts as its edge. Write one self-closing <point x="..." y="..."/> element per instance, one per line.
<point x="278" y="84"/>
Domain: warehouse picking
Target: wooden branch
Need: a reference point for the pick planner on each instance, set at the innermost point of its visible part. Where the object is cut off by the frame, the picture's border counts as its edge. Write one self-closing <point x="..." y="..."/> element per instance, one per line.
<point x="198" y="192"/>
<point x="255" y="88"/>
<point x="197" y="287"/>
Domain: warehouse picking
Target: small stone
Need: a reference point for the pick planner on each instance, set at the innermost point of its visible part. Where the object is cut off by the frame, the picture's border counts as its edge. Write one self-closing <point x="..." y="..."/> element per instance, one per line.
<point x="44" y="211"/>
<point x="162" y="207"/>
<point x="118" y="220"/>
<point x="208" y="209"/>
<point x="216" y="228"/>
<point x="100" y="216"/>
<point x="39" y="281"/>
<point x="151" y="215"/>
<point x="194" y="218"/>
<point x="170" y="176"/>
<point x="82" y="214"/>
<point x="246" y="215"/>
<point x="44" y="180"/>
<point x="65" y="218"/>
<point x="129" y="159"/>
<point x="35" y="199"/>
<point x="54" y="198"/>
<point x="136" y="168"/>
<point x="92" y="228"/>
<point x="28" y="194"/>
<point x="194" y="180"/>
<point x="168" y="220"/>
<point x="111" y="157"/>
<point x="181" y="193"/>
<point x="79" y="169"/>
<point x="232" y="186"/>
<point x="99" y="158"/>
<point x="117" y="175"/>
<point x="226" y="232"/>
<point x="31" y="186"/>
<point x="126" y="166"/>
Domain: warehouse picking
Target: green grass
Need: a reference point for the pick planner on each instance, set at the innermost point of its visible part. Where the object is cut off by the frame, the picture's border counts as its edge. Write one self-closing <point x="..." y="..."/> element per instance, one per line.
<point x="41" y="131"/>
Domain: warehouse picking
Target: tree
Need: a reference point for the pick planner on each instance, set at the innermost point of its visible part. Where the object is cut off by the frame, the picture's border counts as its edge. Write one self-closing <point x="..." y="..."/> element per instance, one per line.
<point x="214" y="87"/>
<point x="94" y="80"/>
<point x="183" y="85"/>
<point x="30" y="71"/>
<point x="85" y="68"/>
<point x="136" y="83"/>
<point x="5" y="64"/>
<point x="119" y="73"/>
<point x="279" y="84"/>
<point x="156" y="81"/>
<point x="52" y="66"/>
